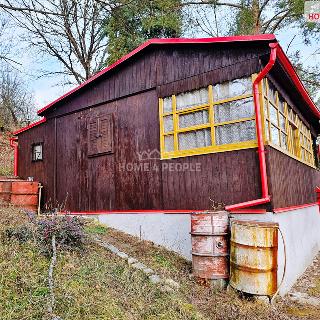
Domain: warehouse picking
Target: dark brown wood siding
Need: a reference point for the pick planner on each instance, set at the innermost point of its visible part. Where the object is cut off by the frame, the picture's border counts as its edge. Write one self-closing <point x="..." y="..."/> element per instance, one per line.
<point x="123" y="180"/>
<point x="42" y="171"/>
<point x="291" y="182"/>
<point x="120" y="179"/>
<point x="166" y="65"/>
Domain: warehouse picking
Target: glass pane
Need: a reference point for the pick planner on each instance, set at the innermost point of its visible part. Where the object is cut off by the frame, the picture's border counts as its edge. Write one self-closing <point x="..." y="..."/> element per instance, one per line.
<point x="306" y="142"/>
<point x="232" y="89"/>
<point x="168" y="143"/>
<point x="302" y="154"/>
<point x="275" y="135"/>
<point x="282" y="121"/>
<point x="265" y="108"/>
<point x="195" y="139"/>
<point x="272" y="93"/>
<point x="284" y="144"/>
<point x="168" y="123"/>
<point x="192" y="98"/>
<point x="273" y="114"/>
<point x="167" y="105"/>
<point x="235" y="132"/>
<point x="234" y="110"/>
<point x="193" y="119"/>
<point x="267" y="130"/>
<point x="301" y="139"/>
<point x="281" y="104"/>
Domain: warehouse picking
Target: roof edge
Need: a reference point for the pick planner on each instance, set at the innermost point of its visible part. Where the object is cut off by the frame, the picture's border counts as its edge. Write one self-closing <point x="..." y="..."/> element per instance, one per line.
<point x="32" y="125"/>
<point x="286" y="63"/>
<point x="260" y="37"/>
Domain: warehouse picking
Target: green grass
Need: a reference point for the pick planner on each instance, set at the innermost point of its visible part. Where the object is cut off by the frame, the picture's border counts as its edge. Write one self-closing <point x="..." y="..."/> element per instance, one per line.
<point x="95" y="228"/>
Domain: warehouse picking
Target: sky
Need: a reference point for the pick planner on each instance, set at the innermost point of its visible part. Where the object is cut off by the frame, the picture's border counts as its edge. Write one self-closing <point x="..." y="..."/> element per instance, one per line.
<point x="47" y="89"/>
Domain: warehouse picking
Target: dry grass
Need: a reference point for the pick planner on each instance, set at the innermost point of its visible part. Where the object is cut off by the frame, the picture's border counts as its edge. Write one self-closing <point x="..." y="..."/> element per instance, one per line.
<point x="94" y="284"/>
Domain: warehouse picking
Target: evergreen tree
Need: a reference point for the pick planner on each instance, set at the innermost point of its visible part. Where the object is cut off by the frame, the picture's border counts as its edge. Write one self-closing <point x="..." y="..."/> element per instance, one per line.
<point x="133" y="22"/>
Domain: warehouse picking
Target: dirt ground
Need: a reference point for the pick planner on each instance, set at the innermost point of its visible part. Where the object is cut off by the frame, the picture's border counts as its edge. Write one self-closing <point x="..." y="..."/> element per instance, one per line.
<point x="303" y="300"/>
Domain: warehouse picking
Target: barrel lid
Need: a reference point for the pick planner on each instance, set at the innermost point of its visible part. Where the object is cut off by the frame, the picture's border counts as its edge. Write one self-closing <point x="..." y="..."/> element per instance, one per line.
<point x="254" y="223"/>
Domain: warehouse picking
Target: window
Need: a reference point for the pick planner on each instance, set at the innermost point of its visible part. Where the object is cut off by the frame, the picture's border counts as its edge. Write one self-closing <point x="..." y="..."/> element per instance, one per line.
<point x="100" y="135"/>
<point x="211" y="119"/>
<point x="284" y="128"/>
<point x="37" y="151"/>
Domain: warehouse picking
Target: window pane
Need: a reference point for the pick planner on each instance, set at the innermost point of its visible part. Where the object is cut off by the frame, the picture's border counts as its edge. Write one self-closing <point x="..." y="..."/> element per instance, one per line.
<point x="192" y="98"/>
<point x="167" y="105"/>
<point x="168" y="123"/>
<point x="232" y="89"/>
<point x="275" y="135"/>
<point x="168" y="143"/>
<point x="273" y="114"/>
<point x="284" y="144"/>
<point x="281" y="104"/>
<point x="37" y="152"/>
<point x="282" y="121"/>
<point x="265" y="108"/>
<point x="195" y="139"/>
<point x="267" y="130"/>
<point x="193" y="118"/>
<point x="234" y="110"/>
<point x="272" y="93"/>
<point x="235" y="132"/>
<point x="301" y="139"/>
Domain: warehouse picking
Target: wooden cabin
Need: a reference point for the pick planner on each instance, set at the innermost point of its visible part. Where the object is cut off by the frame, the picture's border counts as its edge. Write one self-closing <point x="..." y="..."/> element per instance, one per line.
<point x="172" y="126"/>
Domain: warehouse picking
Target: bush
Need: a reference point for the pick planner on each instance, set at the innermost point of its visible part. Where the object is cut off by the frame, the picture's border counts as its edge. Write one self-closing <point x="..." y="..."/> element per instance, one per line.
<point x="69" y="232"/>
<point x="22" y="233"/>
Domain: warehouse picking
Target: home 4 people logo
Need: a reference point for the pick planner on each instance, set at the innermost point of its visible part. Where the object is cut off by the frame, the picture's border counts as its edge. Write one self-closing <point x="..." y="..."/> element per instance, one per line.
<point x="312" y="11"/>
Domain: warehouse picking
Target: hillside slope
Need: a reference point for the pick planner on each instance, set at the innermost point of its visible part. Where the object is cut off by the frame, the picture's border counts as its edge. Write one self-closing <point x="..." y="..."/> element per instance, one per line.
<point x="95" y="284"/>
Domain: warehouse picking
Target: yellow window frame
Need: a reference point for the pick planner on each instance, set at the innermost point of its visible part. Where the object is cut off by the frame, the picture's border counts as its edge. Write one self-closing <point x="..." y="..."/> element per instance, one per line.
<point x="210" y="107"/>
<point x="297" y="147"/>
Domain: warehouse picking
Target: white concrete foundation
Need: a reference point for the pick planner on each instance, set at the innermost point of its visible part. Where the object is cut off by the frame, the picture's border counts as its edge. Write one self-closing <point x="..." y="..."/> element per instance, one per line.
<point x="169" y="230"/>
<point x="300" y="228"/>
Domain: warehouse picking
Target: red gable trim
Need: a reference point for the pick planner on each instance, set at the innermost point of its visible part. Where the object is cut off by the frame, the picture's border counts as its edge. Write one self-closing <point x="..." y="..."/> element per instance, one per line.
<point x="285" y="62"/>
<point x="262" y="37"/>
<point x="34" y="124"/>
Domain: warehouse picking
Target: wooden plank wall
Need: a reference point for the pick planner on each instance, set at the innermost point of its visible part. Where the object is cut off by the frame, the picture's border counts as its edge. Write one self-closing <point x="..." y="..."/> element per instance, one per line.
<point x="131" y="95"/>
<point x="120" y="181"/>
<point x="290" y="181"/>
<point x="164" y="65"/>
<point x="42" y="171"/>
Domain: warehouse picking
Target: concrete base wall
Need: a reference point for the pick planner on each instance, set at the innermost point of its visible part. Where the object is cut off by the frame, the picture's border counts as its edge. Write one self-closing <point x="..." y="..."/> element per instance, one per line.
<point x="300" y="228"/>
<point x="169" y="230"/>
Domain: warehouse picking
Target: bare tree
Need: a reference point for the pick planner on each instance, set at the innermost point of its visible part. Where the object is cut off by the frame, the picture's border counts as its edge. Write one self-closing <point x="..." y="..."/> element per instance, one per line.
<point x="71" y="31"/>
<point x="16" y="102"/>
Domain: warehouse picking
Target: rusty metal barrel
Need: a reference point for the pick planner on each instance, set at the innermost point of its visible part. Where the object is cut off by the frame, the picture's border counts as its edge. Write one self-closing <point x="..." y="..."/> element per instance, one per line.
<point x="210" y="250"/>
<point x="253" y="257"/>
<point x="25" y="194"/>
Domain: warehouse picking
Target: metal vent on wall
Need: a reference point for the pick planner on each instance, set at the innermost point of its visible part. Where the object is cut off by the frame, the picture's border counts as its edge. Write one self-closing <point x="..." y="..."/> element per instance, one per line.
<point x="100" y="135"/>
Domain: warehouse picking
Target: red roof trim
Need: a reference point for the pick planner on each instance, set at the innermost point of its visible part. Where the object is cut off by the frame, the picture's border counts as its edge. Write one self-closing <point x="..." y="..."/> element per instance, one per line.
<point x="262" y="37"/>
<point x="302" y="206"/>
<point x="32" y="125"/>
<point x="296" y="80"/>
